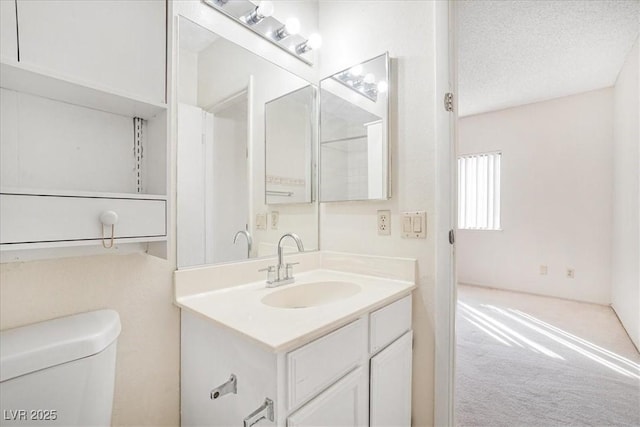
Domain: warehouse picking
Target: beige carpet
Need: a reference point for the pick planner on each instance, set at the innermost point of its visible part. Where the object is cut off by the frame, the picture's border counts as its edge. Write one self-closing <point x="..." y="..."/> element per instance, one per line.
<point x="525" y="360"/>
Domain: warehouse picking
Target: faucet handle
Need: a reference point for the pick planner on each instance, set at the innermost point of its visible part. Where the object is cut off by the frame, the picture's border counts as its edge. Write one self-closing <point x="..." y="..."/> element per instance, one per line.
<point x="271" y="271"/>
<point x="289" y="269"/>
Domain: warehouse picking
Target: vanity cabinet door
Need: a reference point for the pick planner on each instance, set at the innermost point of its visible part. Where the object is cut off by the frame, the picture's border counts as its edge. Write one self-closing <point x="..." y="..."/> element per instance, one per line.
<point x="119" y="46"/>
<point x="342" y="404"/>
<point x="8" y="30"/>
<point x="390" y="384"/>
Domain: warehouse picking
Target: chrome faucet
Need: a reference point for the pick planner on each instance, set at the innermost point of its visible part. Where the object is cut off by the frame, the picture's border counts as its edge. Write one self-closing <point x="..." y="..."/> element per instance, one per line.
<point x="283" y="272"/>
<point x="249" y="240"/>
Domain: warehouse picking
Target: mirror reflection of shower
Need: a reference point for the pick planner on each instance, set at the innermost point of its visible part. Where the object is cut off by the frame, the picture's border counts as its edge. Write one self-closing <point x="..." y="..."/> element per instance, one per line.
<point x="214" y="208"/>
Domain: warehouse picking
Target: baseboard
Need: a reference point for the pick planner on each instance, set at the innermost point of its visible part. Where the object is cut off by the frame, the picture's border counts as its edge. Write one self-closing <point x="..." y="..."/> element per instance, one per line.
<point x="518" y="291"/>
<point x="625" y="329"/>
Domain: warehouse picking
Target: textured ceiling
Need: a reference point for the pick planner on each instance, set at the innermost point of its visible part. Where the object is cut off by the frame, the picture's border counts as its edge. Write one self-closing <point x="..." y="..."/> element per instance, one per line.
<point x="517" y="52"/>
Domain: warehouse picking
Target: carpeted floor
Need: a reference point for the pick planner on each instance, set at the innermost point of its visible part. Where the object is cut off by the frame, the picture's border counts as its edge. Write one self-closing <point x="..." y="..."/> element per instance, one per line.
<point x="524" y="360"/>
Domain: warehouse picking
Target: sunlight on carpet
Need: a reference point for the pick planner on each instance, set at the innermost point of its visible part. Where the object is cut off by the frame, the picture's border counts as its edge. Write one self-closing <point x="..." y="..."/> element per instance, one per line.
<point x="515" y="369"/>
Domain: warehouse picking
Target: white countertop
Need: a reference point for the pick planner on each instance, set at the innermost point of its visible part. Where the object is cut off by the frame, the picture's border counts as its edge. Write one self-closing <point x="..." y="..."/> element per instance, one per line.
<point x="240" y="309"/>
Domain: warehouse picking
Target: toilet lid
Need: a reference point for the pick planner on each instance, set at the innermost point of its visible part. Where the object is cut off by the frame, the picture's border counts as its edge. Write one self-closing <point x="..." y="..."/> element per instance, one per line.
<point x="42" y="345"/>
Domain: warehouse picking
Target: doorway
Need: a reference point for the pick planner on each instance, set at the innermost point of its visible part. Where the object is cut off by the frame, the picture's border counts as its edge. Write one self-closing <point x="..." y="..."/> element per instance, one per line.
<point x="544" y="331"/>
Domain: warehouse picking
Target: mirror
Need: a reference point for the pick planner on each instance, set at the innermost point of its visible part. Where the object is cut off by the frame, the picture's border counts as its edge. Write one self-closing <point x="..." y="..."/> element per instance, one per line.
<point x="289" y="125"/>
<point x="231" y="104"/>
<point x="354" y="136"/>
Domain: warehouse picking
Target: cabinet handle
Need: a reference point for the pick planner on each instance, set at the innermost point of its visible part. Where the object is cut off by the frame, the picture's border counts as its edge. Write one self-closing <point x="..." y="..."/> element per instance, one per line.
<point x="108" y="218"/>
<point x="231" y="386"/>
<point x="263" y="412"/>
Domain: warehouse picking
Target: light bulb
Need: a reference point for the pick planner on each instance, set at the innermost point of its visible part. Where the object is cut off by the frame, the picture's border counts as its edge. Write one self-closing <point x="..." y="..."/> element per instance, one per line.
<point x="315" y="41"/>
<point x="356" y="70"/>
<point x="382" y="86"/>
<point x="292" y="26"/>
<point x="369" y="78"/>
<point x="265" y="8"/>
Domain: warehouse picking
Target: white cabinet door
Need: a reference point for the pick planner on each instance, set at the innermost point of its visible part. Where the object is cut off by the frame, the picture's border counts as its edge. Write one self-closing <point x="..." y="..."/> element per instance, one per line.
<point x="8" y="30"/>
<point x="341" y="405"/>
<point x="390" y="384"/>
<point x="112" y="44"/>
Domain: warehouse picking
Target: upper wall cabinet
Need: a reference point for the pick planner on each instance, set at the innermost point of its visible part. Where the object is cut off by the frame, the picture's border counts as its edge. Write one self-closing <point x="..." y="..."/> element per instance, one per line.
<point x="8" y="30"/>
<point x="116" y="45"/>
<point x="83" y="128"/>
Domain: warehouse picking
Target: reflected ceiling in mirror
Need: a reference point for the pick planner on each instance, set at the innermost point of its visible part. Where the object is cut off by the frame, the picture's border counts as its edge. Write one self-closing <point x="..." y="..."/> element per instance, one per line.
<point x="221" y="211"/>
<point x="354" y="136"/>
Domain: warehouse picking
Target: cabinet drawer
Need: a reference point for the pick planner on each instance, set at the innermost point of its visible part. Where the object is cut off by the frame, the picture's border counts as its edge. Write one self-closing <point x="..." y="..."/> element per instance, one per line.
<point x="312" y="368"/>
<point x="30" y="218"/>
<point x="389" y="323"/>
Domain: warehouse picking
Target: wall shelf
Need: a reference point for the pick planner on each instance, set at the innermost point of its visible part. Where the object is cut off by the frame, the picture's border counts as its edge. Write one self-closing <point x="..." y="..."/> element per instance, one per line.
<point x="32" y="80"/>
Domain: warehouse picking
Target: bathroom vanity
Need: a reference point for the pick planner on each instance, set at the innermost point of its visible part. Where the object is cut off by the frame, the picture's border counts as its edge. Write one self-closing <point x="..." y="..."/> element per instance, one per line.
<point x="332" y="349"/>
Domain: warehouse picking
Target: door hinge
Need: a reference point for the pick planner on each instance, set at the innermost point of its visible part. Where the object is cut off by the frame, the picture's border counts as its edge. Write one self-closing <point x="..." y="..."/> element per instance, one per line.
<point x="448" y="101"/>
<point x="452" y="237"/>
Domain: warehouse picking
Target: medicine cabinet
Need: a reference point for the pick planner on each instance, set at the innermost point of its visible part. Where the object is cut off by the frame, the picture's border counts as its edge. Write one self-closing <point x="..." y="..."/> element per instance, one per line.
<point x="83" y="127"/>
<point x="354" y="133"/>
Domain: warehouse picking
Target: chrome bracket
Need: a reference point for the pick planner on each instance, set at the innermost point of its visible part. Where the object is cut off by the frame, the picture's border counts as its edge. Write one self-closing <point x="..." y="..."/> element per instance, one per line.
<point x="230" y="386"/>
<point x="264" y="412"/>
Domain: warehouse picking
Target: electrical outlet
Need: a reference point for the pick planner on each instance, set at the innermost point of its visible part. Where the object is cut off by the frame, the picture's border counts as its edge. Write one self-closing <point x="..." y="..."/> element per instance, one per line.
<point x="544" y="270"/>
<point x="261" y="221"/>
<point x="384" y="223"/>
<point x="275" y="218"/>
<point x="571" y="273"/>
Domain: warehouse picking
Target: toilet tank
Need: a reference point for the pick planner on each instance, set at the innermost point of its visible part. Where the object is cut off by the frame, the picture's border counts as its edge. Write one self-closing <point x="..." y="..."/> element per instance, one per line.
<point x="60" y="372"/>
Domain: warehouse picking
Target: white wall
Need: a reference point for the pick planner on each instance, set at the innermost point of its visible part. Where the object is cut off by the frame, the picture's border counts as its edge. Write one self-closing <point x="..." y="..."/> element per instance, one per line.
<point x="139" y="288"/>
<point x="556" y="198"/>
<point x="354" y="31"/>
<point x="625" y="279"/>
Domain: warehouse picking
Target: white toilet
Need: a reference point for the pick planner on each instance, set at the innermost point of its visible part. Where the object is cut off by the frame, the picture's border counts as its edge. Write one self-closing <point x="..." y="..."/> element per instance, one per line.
<point x="60" y="372"/>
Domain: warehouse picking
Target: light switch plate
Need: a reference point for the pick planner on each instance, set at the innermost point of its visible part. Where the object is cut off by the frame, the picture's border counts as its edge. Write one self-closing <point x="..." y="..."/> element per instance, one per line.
<point x="414" y="225"/>
<point x="275" y="218"/>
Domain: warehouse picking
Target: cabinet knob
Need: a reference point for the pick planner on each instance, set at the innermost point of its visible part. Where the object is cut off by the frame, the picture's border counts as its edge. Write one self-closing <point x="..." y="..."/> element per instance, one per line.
<point x="108" y="218"/>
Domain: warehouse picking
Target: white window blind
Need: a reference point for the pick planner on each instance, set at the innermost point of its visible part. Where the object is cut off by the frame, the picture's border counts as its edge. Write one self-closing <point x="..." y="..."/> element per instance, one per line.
<point x="479" y="191"/>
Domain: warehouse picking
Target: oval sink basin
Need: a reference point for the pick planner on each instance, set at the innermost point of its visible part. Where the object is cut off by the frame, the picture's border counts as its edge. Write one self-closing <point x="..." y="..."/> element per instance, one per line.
<point x="311" y="294"/>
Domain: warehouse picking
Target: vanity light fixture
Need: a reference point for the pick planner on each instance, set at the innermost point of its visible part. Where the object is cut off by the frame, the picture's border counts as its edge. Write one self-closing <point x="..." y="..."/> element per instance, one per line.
<point x="257" y="17"/>
<point x="363" y="83"/>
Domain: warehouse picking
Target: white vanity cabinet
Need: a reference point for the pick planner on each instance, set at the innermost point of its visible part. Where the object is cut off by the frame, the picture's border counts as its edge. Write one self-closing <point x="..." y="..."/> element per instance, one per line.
<point x="334" y="380"/>
<point x="116" y="45"/>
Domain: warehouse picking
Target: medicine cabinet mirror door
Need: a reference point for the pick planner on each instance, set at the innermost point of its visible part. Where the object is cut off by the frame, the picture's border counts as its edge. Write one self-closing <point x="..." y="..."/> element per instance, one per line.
<point x="354" y="133"/>
<point x="224" y="94"/>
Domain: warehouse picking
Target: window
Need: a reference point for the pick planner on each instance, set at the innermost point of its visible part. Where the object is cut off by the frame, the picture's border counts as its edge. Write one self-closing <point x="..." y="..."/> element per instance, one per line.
<point x="479" y="191"/>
